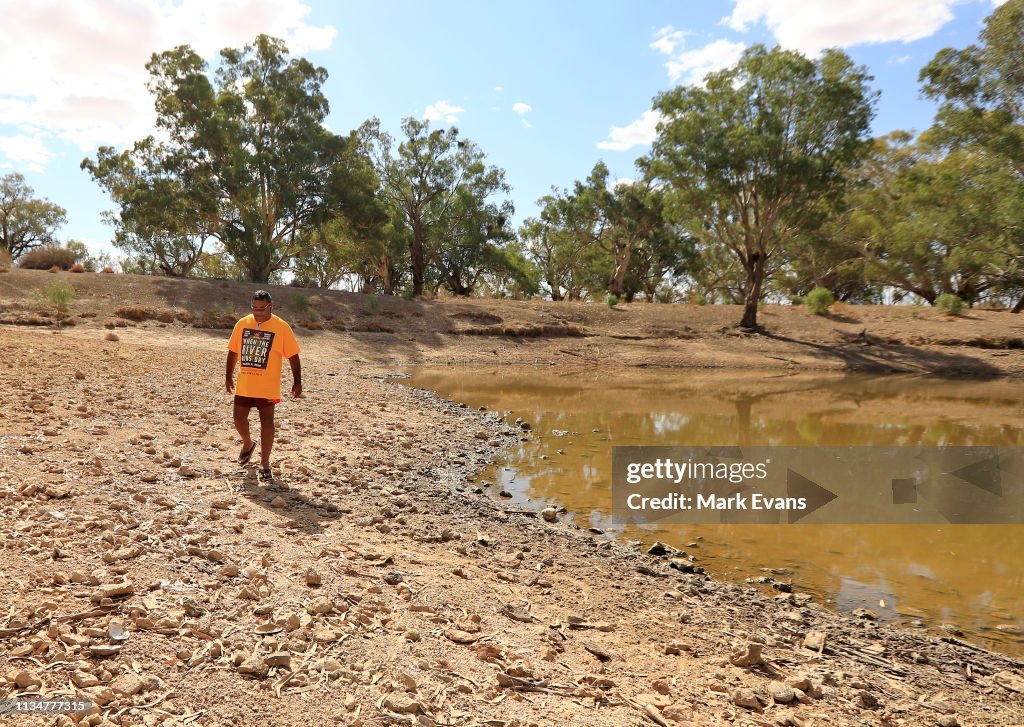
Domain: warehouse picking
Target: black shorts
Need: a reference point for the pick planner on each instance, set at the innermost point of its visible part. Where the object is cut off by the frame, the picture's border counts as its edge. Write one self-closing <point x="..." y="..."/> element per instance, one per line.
<point x="251" y="401"/>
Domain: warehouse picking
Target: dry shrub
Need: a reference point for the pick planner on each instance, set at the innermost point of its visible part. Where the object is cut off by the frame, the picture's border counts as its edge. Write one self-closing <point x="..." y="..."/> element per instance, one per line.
<point x="184" y="316"/>
<point x="48" y="257"/>
<point x="312" y="325"/>
<point x="165" y="316"/>
<point x="136" y="313"/>
<point x="107" y="270"/>
<point x="111" y="336"/>
<point x="77" y="268"/>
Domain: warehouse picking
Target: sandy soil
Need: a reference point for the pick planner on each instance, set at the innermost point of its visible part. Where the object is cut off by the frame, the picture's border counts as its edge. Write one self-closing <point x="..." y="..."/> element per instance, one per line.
<point x="370" y="583"/>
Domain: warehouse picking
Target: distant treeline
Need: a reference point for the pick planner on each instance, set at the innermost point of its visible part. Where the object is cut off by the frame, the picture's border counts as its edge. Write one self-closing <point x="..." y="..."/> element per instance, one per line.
<point x="763" y="183"/>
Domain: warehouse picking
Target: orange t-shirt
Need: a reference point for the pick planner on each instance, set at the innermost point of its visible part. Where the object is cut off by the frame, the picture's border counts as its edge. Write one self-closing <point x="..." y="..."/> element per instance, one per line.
<point x="261" y="347"/>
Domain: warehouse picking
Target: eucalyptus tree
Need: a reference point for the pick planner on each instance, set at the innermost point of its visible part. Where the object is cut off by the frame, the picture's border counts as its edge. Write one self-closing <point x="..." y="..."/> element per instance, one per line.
<point x="25" y="221"/>
<point x="981" y="90"/>
<point x="441" y="186"/>
<point x="245" y="157"/>
<point x="756" y="157"/>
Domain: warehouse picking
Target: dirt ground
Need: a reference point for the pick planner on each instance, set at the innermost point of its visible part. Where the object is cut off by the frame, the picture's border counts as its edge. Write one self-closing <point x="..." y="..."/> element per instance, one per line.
<point x="370" y="583"/>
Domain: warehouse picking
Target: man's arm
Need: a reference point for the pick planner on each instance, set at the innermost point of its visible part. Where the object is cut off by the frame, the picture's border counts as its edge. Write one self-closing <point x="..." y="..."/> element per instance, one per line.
<point x="229" y="374"/>
<point x="296" y="375"/>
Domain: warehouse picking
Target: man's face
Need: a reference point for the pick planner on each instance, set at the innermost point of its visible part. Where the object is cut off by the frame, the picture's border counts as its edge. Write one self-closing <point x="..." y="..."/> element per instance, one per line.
<point x="261" y="310"/>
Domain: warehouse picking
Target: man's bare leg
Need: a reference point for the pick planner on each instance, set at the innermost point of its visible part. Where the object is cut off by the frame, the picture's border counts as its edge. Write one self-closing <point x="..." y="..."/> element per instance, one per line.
<point x="242" y="425"/>
<point x="266" y="435"/>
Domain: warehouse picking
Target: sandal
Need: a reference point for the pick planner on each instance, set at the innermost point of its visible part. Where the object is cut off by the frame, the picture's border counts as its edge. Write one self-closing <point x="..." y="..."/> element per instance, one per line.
<point x="246" y="454"/>
<point x="266" y="474"/>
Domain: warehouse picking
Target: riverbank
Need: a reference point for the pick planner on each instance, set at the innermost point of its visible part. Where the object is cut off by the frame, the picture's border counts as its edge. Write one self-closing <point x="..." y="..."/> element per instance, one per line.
<point x="388" y="331"/>
<point x="370" y="583"/>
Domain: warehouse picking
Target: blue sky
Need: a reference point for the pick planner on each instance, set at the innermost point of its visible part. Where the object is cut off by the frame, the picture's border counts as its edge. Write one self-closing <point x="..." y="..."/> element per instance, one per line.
<point x="546" y="89"/>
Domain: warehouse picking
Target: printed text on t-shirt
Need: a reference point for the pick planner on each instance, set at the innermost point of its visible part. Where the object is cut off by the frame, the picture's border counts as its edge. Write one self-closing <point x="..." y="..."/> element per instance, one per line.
<point x="256" y="346"/>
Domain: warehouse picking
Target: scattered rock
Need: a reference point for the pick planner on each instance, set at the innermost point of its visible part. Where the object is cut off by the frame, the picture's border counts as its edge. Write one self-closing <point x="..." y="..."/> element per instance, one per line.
<point x="748" y="655"/>
<point x="312" y="577"/>
<point x="815" y="641"/>
<point x="402" y="703"/>
<point x="128" y="684"/>
<point x="781" y="693"/>
<point x="745" y="698"/>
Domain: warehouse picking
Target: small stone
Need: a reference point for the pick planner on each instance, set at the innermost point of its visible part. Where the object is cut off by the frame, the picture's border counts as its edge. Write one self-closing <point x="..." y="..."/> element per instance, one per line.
<point x="254" y="666"/>
<point x="312" y="577"/>
<point x="781" y="693"/>
<point x="149" y="477"/>
<point x="278" y="502"/>
<point x="27" y="679"/>
<point x="659" y="548"/>
<point x="814" y="641"/>
<point x="949" y="721"/>
<point x="412" y="636"/>
<point x="79" y="375"/>
<point x="402" y="703"/>
<point x="407" y="682"/>
<point x="320" y="606"/>
<point x="867" y="700"/>
<point x="127" y="684"/>
<point x="83" y="679"/>
<point x="280" y="658"/>
<point x="748" y="655"/>
<point x="549" y="514"/>
<point x="745" y="698"/>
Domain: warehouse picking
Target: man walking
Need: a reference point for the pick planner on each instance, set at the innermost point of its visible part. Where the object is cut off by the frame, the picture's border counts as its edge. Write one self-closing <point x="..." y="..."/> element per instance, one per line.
<point x="261" y="340"/>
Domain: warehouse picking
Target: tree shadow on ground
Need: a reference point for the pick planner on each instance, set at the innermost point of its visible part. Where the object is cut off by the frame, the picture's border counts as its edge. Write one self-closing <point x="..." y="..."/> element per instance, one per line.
<point x="873" y="355"/>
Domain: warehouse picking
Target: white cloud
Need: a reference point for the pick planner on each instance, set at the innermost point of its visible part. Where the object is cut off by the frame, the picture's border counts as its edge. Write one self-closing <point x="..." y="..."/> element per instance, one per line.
<point x="526" y="124"/>
<point x="499" y="89"/>
<point x="902" y="59"/>
<point x="80" y="66"/>
<point x="691" y="66"/>
<point x="521" y="108"/>
<point x="29" y="152"/>
<point x="641" y="132"/>
<point x="810" y="26"/>
<point x="667" y="39"/>
<point x="443" y="111"/>
<point x="622" y="182"/>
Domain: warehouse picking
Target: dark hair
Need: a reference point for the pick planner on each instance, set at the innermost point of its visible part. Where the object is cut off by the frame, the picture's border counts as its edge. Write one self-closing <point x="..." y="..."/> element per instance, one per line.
<point x="262" y="295"/>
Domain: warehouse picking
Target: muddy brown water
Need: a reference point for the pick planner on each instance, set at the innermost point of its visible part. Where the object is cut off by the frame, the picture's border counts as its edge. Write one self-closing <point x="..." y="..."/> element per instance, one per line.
<point x="964" y="577"/>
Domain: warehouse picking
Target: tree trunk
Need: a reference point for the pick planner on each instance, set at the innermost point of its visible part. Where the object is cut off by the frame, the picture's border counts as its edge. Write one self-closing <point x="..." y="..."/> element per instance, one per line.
<point x="417" y="250"/>
<point x="622" y="254"/>
<point x="752" y="295"/>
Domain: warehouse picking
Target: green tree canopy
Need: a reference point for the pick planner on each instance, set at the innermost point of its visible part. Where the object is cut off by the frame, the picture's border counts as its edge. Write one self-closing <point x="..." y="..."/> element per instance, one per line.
<point x="26" y="222"/>
<point x="755" y="158"/>
<point x="247" y="159"/>
<point x="444" y="193"/>
<point x="981" y="88"/>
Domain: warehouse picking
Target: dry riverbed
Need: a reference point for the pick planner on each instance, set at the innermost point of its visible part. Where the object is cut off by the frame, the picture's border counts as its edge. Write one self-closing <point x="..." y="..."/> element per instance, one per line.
<point x="374" y="581"/>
